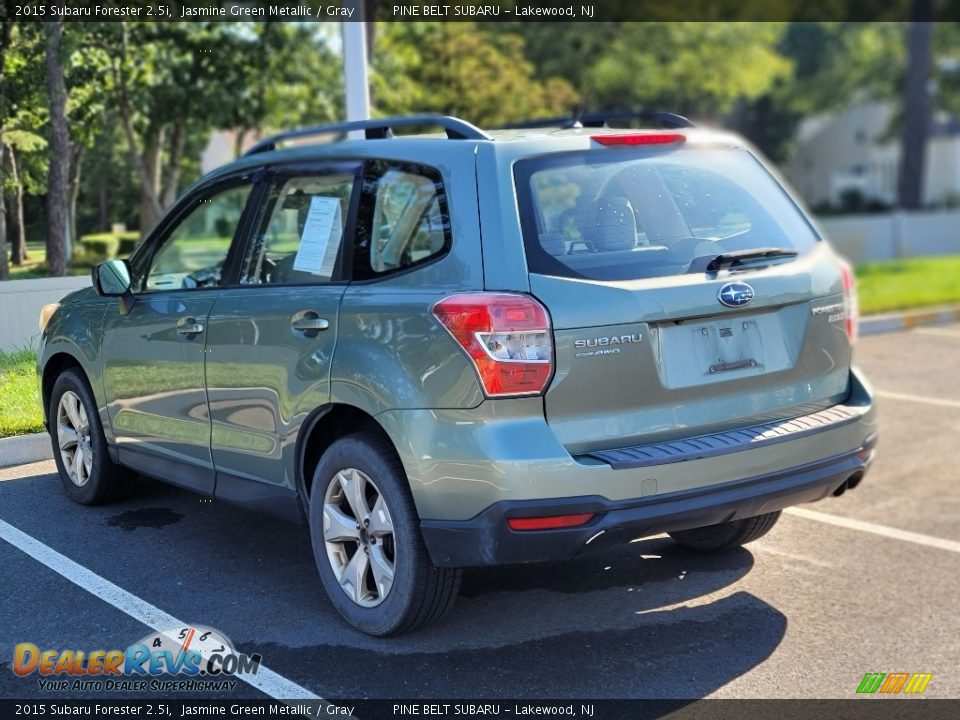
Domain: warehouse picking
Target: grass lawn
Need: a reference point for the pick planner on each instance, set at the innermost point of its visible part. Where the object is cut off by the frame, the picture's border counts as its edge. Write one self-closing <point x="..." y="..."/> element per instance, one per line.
<point x="19" y="401"/>
<point x="35" y="266"/>
<point x="892" y="285"/>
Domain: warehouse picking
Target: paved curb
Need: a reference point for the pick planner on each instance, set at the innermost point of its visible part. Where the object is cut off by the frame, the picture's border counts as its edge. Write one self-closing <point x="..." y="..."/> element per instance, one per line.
<point x="23" y="449"/>
<point x="907" y="320"/>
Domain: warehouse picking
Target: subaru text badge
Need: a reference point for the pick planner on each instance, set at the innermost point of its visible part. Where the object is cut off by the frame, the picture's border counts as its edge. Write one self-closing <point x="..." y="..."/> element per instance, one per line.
<point x="735" y="294"/>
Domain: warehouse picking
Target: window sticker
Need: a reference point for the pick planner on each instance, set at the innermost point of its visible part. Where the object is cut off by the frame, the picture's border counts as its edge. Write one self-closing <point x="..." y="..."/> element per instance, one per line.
<point x="317" y="254"/>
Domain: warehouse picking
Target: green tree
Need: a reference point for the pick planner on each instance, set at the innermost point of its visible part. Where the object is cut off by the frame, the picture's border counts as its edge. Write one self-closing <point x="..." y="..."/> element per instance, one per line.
<point x="175" y="82"/>
<point x="700" y="69"/>
<point x="563" y="49"/>
<point x="834" y="64"/>
<point x="22" y="128"/>
<point x="462" y="69"/>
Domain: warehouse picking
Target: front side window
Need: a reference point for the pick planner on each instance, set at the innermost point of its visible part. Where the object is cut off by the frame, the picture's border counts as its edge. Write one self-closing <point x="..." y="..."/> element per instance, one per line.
<point x="403" y="220"/>
<point x="299" y="234"/>
<point x="628" y="214"/>
<point x="192" y="255"/>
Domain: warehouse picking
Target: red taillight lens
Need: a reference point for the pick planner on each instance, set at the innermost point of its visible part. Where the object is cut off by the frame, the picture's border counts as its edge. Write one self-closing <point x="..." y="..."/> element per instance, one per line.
<point x="507" y="337"/>
<point x="550" y="522"/>
<point x="851" y="306"/>
<point x="647" y="138"/>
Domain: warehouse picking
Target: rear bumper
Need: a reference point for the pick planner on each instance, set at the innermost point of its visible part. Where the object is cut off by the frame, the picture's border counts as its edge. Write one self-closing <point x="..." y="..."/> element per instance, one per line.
<point x="471" y="469"/>
<point x="487" y="540"/>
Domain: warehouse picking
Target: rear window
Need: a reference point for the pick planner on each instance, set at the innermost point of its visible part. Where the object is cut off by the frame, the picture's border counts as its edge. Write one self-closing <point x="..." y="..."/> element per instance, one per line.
<point x="626" y="214"/>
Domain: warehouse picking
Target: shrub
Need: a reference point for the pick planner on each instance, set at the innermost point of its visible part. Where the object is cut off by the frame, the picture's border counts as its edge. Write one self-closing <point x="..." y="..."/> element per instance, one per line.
<point x="106" y="246"/>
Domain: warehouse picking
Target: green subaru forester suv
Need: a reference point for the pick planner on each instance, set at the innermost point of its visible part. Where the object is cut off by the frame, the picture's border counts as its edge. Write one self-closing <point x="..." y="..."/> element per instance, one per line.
<point x="461" y="349"/>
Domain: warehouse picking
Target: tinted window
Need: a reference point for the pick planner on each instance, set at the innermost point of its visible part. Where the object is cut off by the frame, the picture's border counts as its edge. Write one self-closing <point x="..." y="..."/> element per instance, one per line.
<point x="193" y="253"/>
<point x="299" y="232"/>
<point x="403" y="219"/>
<point x="627" y="214"/>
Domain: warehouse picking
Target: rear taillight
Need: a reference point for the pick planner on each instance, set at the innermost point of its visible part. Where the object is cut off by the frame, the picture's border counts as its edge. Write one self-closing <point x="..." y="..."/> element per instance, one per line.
<point x="851" y="307"/>
<point x="507" y="337"/>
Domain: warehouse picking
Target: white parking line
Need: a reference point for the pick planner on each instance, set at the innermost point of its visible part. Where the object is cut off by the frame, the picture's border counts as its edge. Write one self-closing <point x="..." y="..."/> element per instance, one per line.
<point x="874" y="529"/>
<point x="266" y="681"/>
<point x="918" y="399"/>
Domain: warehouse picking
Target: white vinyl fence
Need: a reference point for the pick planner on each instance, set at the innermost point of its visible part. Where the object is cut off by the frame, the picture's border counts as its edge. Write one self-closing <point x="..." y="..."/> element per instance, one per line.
<point x="859" y="238"/>
<point x="862" y="238"/>
<point x="20" y="303"/>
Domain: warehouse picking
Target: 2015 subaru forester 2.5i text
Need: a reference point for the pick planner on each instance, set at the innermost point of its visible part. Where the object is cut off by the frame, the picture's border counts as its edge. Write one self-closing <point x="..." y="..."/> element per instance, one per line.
<point x="444" y="351"/>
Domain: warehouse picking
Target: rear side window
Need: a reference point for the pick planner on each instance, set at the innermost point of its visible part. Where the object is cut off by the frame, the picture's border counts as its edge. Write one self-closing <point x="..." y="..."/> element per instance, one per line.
<point x="628" y="214"/>
<point x="403" y="220"/>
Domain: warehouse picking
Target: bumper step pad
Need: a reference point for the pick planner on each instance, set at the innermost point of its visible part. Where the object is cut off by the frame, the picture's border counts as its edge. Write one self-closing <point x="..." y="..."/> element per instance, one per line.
<point x="722" y="443"/>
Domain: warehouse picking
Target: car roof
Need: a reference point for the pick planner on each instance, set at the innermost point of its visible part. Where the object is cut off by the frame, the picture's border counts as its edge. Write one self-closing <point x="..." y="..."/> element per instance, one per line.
<point x="433" y="148"/>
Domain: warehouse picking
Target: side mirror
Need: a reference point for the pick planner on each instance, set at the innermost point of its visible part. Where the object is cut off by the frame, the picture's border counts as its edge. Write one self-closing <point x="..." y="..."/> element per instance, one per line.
<point x="112" y="279"/>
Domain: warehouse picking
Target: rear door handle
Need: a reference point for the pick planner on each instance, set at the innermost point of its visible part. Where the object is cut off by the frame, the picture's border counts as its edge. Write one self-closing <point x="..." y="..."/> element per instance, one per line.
<point x="308" y="321"/>
<point x="189" y="326"/>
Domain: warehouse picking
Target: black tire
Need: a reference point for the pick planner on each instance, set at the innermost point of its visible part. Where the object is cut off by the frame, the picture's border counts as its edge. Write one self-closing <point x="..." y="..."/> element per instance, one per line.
<point x="420" y="592"/>
<point x="105" y="480"/>
<point x="725" y="536"/>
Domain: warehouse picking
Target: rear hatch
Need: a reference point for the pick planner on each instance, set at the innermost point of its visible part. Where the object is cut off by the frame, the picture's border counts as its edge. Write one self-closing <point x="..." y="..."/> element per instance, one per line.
<point x="687" y="291"/>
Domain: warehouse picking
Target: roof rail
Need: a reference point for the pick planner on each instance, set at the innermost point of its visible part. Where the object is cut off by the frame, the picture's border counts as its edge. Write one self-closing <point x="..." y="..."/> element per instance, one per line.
<point x="668" y="120"/>
<point x="378" y="128"/>
<point x="562" y="122"/>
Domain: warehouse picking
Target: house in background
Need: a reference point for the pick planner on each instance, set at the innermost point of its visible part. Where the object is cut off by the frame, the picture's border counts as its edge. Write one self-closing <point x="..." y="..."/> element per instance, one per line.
<point x="222" y="148"/>
<point x="856" y="154"/>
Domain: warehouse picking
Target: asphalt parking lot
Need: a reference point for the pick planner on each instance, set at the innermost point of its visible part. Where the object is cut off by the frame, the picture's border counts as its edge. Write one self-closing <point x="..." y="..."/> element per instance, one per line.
<point x="864" y="583"/>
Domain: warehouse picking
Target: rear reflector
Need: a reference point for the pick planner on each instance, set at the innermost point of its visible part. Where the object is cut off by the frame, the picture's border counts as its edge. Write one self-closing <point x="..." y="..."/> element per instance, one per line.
<point x="551" y="522"/>
<point x="507" y="337"/>
<point x="648" y="138"/>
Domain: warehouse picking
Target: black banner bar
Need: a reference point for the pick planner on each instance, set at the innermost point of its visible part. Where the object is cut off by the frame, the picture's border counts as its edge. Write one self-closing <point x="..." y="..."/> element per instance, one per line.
<point x="470" y="10"/>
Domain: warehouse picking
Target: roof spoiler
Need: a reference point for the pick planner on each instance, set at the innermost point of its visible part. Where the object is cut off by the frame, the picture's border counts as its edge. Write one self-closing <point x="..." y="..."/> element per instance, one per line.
<point x="665" y="120"/>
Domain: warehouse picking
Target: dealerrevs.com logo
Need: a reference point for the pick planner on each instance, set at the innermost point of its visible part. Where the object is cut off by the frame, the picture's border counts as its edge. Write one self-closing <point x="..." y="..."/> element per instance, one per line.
<point x="199" y="659"/>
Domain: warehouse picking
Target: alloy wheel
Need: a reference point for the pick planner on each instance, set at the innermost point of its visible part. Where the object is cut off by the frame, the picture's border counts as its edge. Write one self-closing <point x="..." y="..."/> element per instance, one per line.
<point x="73" y="438"/>
<point x="359" y="536"/>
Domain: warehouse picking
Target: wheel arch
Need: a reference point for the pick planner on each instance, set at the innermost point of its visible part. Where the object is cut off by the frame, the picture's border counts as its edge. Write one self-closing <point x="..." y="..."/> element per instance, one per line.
<point x="51" y="369"/>
<point x="320" y="430"/>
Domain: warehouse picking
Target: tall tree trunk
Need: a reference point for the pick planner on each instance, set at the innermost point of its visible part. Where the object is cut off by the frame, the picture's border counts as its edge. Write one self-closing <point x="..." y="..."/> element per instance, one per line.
<point x="57" y="179"/>
<point x="4" y="266"/>
<point x="5" y="30"/>
<point x="76" y="168"/>
<point x="18" y="244"/>
<point x="916" y="125"/>
<point x="171" y="175"/>
<point x="150" y="207"/>
<point x="370" y="8"/>
<point x="103" y="224"/>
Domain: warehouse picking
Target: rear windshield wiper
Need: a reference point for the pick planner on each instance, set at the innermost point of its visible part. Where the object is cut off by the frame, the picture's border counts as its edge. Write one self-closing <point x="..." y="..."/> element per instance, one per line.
<point x="737" y="257"/>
